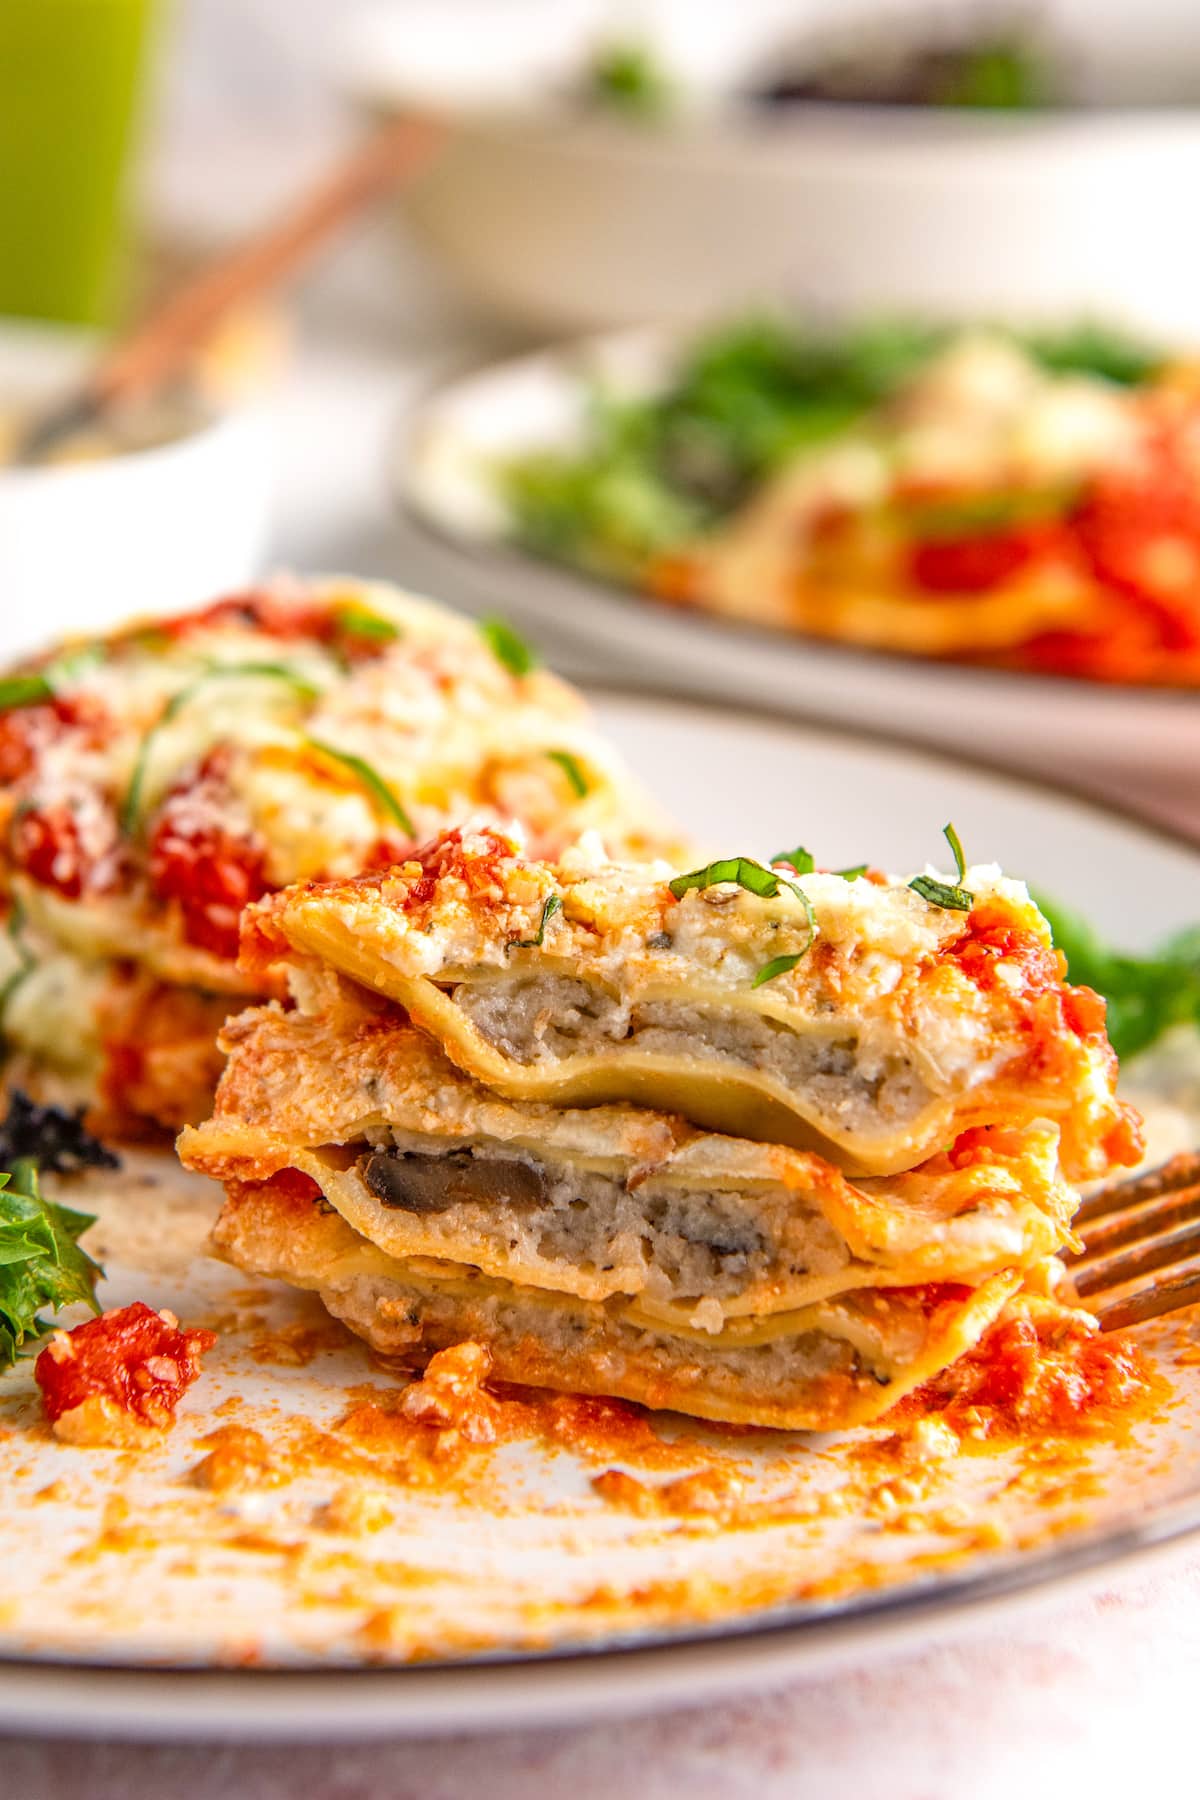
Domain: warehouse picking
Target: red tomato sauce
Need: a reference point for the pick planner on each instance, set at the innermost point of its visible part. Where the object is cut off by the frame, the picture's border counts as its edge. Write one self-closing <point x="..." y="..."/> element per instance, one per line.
<point x="140" y="1360"/>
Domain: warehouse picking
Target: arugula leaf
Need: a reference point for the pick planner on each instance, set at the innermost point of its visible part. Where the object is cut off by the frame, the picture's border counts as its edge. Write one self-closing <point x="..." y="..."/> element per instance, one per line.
<point x="553" y="905"/>
<point x="508" y="646"/>
<point x="573" y="771"/>
<point x="386" y="800"/>
<point x="779" y="965"/>
<point x="131" y="805"/>
<point x="1146" y="995"/>
<point x="41" y="1263"/>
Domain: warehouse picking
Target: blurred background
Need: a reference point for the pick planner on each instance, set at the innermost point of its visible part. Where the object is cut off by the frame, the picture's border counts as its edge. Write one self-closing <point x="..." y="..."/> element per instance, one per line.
<point x="594" y="166"/>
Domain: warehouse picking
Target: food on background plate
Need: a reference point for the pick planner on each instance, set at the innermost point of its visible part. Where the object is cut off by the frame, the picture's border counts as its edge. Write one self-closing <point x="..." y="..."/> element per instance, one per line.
<point x="1024" y="499"/>
<point x="156" y="780"/>
<point x="914" y="1043"/>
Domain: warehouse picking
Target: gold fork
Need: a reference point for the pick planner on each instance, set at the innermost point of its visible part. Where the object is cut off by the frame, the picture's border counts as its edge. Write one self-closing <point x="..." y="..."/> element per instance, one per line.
<point x="1141" y="1245"/>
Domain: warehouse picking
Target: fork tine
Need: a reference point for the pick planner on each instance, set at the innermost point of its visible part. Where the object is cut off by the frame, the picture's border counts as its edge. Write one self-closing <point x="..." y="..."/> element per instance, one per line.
<point x="1159" y="1296"/>
<point x="1112" y="1269"/>
<point x="1182" y="1171"/>
<point x="1140" y="1253"/>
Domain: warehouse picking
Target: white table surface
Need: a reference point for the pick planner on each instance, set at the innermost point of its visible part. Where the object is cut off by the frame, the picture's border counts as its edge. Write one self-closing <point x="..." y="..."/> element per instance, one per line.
<point x="1093" y="1695"/>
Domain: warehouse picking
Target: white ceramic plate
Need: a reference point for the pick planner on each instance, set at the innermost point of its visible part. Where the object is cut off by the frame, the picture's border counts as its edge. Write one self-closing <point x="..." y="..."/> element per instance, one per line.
<point x="1137" y="745"/>
<point x="134" y="1601"/>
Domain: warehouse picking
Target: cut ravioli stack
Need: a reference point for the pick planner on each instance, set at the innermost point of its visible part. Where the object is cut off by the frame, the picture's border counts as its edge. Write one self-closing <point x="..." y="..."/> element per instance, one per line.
<point x="757" y="1146"/>
<point x="157" y="779"/>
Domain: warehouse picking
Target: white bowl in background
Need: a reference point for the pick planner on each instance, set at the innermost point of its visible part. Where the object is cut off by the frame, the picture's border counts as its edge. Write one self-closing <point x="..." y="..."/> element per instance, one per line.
<point x="85" y="545"/>
<point x="560" y="220"/>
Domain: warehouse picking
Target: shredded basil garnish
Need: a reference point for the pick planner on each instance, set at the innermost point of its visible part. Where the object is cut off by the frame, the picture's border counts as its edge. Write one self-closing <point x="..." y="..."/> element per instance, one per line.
<point x="371" y="780"/>
<point x="553" y="905"/>
<point x="49" y="681"/>
<point x="756" y="879"/>
<point x="940" y="893"/>
<point x="360" y="621"/>
<point x="960" y="863"/>
<point x="779" y="965"/>
<point x="571" y="768"/>
<point x="508" y="646"/>
<point x="952" y="899"/>
<point x="742" y="870"/>
<point x="799" y="859"/>
<point x="131" y="806"/>
<point x="854" y="873"/>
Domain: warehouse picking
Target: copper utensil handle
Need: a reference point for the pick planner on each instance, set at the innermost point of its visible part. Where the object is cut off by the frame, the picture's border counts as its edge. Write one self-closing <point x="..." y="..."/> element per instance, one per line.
<point x="156" y="347"/>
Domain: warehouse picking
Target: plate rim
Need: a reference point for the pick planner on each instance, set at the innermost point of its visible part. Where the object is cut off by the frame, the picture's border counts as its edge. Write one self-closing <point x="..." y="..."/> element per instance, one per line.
<point x="481" y="552"/>
<point x="81" y="1695"/>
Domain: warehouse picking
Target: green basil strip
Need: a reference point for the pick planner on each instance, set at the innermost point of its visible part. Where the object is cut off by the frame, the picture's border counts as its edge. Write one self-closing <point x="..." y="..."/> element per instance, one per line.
<point x="571" y="768"/>
<point x="756" y="879"/>
<point x="778" y="965"/>
<point x="799" y="859"/>
<point x="59" y="672"/>
<point x="854" y="873"/>
<point x="742" y="870"/>
<point x="553" y="905"/>
<point x="508" y="646"/>
<point x="952" y="899"/>
<point x="359" y="621"/>
<point x="387" y="801"/>
<point x="24" y="690"/>
<point x="960" y="862"/>
<point x="131" y="806"/>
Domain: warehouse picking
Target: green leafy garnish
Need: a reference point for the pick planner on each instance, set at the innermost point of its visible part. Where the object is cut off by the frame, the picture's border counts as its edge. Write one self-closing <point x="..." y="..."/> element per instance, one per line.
<point x="51" y="679"/>
<point x="742" y="870"/>
<point x="798" y="859"/>
<point x="756" y="879"/>
<point x="359" y="621"/>
<point x="940" y="893"/>
<point x="131" y="805"/>
<point x="1146" y="995"/>
<point x="508" y="646"/>
<point x="571" y="768"/>
<point x="956" y="850"/>
<point x="41" y="1264"/>
<point x="854" y="873"/>
<point x="553" y="904"/>
<point x="383" y="796"/>
<point x="778" y="965"/>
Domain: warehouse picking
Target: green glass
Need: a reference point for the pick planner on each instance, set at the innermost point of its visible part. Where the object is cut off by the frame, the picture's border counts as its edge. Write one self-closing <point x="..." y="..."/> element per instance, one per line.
<point x="70" y="81"/>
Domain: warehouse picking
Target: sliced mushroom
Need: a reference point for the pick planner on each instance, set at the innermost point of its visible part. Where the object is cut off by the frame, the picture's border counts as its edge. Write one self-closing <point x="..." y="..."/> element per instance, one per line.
<point x="433" y="1184"/>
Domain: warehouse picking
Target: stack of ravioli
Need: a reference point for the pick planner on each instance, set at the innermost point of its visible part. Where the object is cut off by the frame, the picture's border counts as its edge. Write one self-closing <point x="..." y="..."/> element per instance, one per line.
<point x="747" y="1141"/>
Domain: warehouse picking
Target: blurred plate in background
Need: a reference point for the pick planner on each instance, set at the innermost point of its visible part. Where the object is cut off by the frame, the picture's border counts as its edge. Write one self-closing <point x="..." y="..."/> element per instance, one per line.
<point x="1142" y="746"/>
